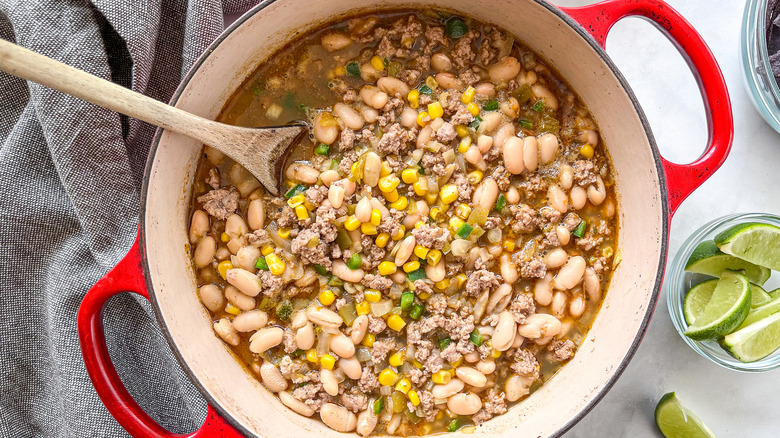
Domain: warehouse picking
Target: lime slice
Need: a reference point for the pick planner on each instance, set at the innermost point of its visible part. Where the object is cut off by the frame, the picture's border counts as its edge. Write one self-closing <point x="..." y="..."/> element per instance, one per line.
<point x="756" y="341"/>
<point x="753" y="241"/>
<point x="761" y="312"/>
<point x="728" y="307"/>
<point x="709" y="260"/>
<point x="759" y="296"/>
<point x="675" y="421"/>
<point x="699" y="295"/>
<point x="775" y="294"/>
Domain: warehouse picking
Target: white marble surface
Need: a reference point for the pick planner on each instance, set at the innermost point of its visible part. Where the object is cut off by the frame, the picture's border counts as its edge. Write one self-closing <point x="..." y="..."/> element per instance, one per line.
<point x="733" y="404"/>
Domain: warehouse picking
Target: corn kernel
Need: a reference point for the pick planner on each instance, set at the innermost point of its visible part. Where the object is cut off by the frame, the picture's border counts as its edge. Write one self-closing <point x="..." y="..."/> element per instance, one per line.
<point x="475" y="177"/>
<point x="400" y="233"/>
<point x="435" y="110"/>
<point x="414" y="98"/>
<point x="495" y="354"/>
<point x="451" y="371"/>
<point x="352" y="223"/>
<point x="311" y="356"/>
<point x="389" y="183"/>
<point x="423" y="295"/>
<point x="385" y="169"/>
<point x="434" y="257"/>
<point x="461" y="279"/>
<point x="449" y="193"/>
<point x="382" y="239"/>
<point x="411" y="266"/>
<point x="440" y="414"/>
<point x="369" y="338"/>
<point x="435" y="213"/>
<point x="363" y="308"/>
<point x="391" y="196"/>
<point x="377" y="63"/>
<point x="327" y="361"/>
<point x="509" y="245"/>
<point x="413" y="397"/>
<point x="587" y="151"/>
<point x="457" y="363"/>
<point x="372" y="295"/>
<point x="473" y="109"/>
<point x="441" y="377"/>
<point x="231" y="309"/>
<point x="421" y="251"/>
<point x="423" y="118"/>
<point x="267" y="249"/>
<point x="284" y="233"/>
<point x="376" y="217"/>
<point x="296" y="201"/>
<point x="463" y="211"/>
<point x="223" y="267"/>
<point x="462" y="131"/>
<point x="442" y="285"/>
<point x="400" y="204"/>
<point x="468" y="95"/>
<point x="418" y="224"/>
<point x="455" y="223"/>
<point x="430" y="81"/>
<point x="301" y="212"/>
<point x="410" y="176"/>
<point x="430" y="198"/>
<point x="387" y="377"/>
<point x="404" y="385"/>
<point x="417" y="363"/>
<point x="340" y="70"/>
<point x="397" y="359"/>
<point x="224" y="237"/>
<point x="396" y="322"/>
<point x="464" y="145"/>
<point x="420" y="187"/>
<point x="275" y="264"/>
<point x="327" y="297"/>
<point x="387" y="268"/>
<point x="368" y="229"/>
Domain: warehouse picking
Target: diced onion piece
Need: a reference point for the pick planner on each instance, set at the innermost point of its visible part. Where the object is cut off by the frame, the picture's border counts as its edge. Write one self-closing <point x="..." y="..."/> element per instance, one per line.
<point x="381" y="308"/>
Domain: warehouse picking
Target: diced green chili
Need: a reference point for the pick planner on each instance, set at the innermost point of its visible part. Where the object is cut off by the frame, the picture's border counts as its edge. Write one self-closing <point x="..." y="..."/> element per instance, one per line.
<point x="454" y="425"/>
<point x="420" y="170"/>
<point x="580" y="230"/>
<point x="297" y="190"/>
<point x="320" y="269"/>
<point x="443" y="343"/>
<point x="424" y="89"/>
<point x="539" y="106"/>
<point x="355" y="261"/>
<point x="501" y="202"/>
<point x="289" y="100"/>
<point x="549" y="124"/>
<point x="416" y="312"/>
<point x="322" y="149"/>
<point x="407" y="299"/>
<point x="464" y="231"/>
<point x="385" y="62"/>
<point x="522" y="93"/>
<point x="353" y="69"/>
<point x="343" y="240"/>
<point x="379" y="404"/>
<point x="476" y="338"/>
<point x="490" y="105"/>
<point x="525" y="123"/>
<point x="475" y="123"/>
<point x="284" y="310"/>
<point x="456" y="28"/>
<point x="266" y="304"/>
<point x="394" y="68"/>
<point x="297" y="352"/>
<point x="417" y="274"/>
<point x="335" y="281"/>
<point x="348" y="313"/>
<point x="261" y="264"/>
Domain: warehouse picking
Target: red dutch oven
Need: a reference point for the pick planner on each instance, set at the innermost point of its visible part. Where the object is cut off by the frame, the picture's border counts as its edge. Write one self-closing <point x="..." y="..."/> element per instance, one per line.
<point x="649" y="190"/>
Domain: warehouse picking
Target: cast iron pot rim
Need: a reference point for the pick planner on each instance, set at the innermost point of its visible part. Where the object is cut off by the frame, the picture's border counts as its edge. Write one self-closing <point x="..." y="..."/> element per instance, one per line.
<point x="225" y="413"/>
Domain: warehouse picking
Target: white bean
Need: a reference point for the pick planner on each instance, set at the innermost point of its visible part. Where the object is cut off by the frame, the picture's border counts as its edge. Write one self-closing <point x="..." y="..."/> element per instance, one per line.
<point x="449" y="389"/>
<point x="566" y="176"/>
<point x="508" y="269"/>
<point x="558" y="306"/>
<point x="204" y="252"/>
<point x="351" y="367"/>
<point x="545" y="95"/>
<point x="359" y="329"/>
<point x="597" y="194"/>
<point x="369" y="114"/>
<point x="449" y="81"/>
<point x="373" y="96"/>
<point x="548" y="147"/>
<point x="441" y="62"/>
<point x="342" y="346"/>
<point x="272" y="377"/>
<point x="577" y="306"/>
<point x="590" y="137"/>
<point x="303" y="173"/>
<point x="436" y="272"/>
<point x="235" y="226"/>
<point x="299" y="320"/>
<point x="250" y="321"/>
<point x="505" y="331"/>
<point x="530" y="153"/>
<point x="304" y="336"/>
<point x="518" y="341"/>
<point x="247" y="282"/>
<point x="510" y="108"/>
<point x="592" y="284"/>
<point x="564" y="235"/>
<point x="338" y="418"/>
<point x="408" y="118"/>
<point x="349" y="116"/>
<point x="474" y="156"/>
<point x="489" y="122"/>
<point x="578" y="197"/>
<point x="513" y="195"/>
<point x="225" y="330"/>
<point x="324" y="317"/>
<point x="487" y="366"/>
<point x="497" y="296"/>
<point x="336" y="196"/>
<point x="570" y="274"/>
<point x="505" y="132"/>
<point x="246" y="257"/>
<point x="405" y="249"/>
<point x="366" y="422"/>
<point x="557" y="199"/>
<point x="513" y="155"/>
<point x="486" y="194"/>
<point x="516" y="387"/>
<point x="539" y="325"/>
<point x="484" y="143"/>
<point x="255" y="214"/>
<point x="363" y="210"/>
<point x="505" y="69"/>
<point x="329" y="177"/>
<point x="333" y="41"/>
<point x="471" y="376"/>
<point x="329" y="382"/>
<point x="424" y="136"/>
<point x="543" y="291"/>
<point x="199" y="226"/>
<point x="296" y="405"/>
<point x="464" y="404"/>
<point x="243" y="302"/>
<point x="485" y="89"/>
<point x="342" y="271"/>
<point x="265" y="339"/>
<point x="472" y="357"/>
<point x="393" y="86"/>
<point x="211" y="297"/>
<point x="324" y="133"/>
<point x="556" y="258"/>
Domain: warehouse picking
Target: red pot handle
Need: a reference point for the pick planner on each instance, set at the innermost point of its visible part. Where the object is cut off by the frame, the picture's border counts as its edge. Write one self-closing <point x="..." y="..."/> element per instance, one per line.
<point x="126" y="276"/>
<point x="681" y="179"/>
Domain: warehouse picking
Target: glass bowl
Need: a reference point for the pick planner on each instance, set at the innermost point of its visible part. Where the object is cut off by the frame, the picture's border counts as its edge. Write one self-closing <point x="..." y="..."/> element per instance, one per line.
<point x="679" y="281"/>
<point x="759" y="81"/>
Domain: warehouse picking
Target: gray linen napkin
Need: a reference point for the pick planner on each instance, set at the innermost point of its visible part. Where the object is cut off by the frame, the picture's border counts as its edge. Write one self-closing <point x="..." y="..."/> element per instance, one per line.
<point x="70" y="176"/>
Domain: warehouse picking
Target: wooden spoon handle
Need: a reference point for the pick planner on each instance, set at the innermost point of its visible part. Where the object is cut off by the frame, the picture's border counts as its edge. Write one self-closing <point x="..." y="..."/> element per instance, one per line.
<point x="32" y="66"/>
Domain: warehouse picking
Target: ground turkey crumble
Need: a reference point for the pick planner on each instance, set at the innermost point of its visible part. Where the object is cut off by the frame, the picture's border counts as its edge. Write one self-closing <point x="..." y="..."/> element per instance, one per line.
<point x="220" y="203"/>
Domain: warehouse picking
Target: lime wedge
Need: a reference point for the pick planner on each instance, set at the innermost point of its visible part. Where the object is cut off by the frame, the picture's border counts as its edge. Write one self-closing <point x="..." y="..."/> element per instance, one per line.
<point x="728" y="307"/>
<point x="759" y="296"/>
<point x="761" y="312"/>
<point x="699" y="295"/>
<point x="775" y="293"/>
<point x="675" y="421"/>
<point x="756" y="341"/>
<point x="709" y="260"/>
<point x="753" y="241"/>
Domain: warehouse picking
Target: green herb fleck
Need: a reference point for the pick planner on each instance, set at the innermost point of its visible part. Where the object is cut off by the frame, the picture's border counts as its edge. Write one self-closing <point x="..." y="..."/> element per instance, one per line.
<point x="501" y="202"/>
<point x="475" y="123"/>
<point x="580" y="230"/>
<point x="297" y="190"/>
<point x="539" y="106"/>
<point x="464" y="231"/>
<point x="261" y="264"/>
<point x="284" y="310"/>
<point x="476" y="338"/>
<point x="490" y="105"/>
<point x="353" y="69"/>
<point x="355" y="261"/>
<point x="416" y="312"/>
<point x="322" y="149"/>
<point x="525" y="123"/>
<point x="417" y="274"/>
<point x="320" y="270"/>
<point x="424" y="89"/>
<point x="456" y="28"/>
<point x="443" y="343"/>
<point x="453" y="425"/>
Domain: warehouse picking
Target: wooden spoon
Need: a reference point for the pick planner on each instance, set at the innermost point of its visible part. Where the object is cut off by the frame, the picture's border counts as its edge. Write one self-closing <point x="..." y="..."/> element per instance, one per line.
<point x="260" y="150"/>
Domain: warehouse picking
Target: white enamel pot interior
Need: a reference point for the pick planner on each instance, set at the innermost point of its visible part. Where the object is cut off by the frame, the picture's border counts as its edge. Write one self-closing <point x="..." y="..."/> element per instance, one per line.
<point x="617" y="329"/>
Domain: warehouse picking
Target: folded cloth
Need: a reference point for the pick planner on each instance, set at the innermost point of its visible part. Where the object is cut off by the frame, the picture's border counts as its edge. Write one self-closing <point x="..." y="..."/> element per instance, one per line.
<point x="70" y="175"/>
